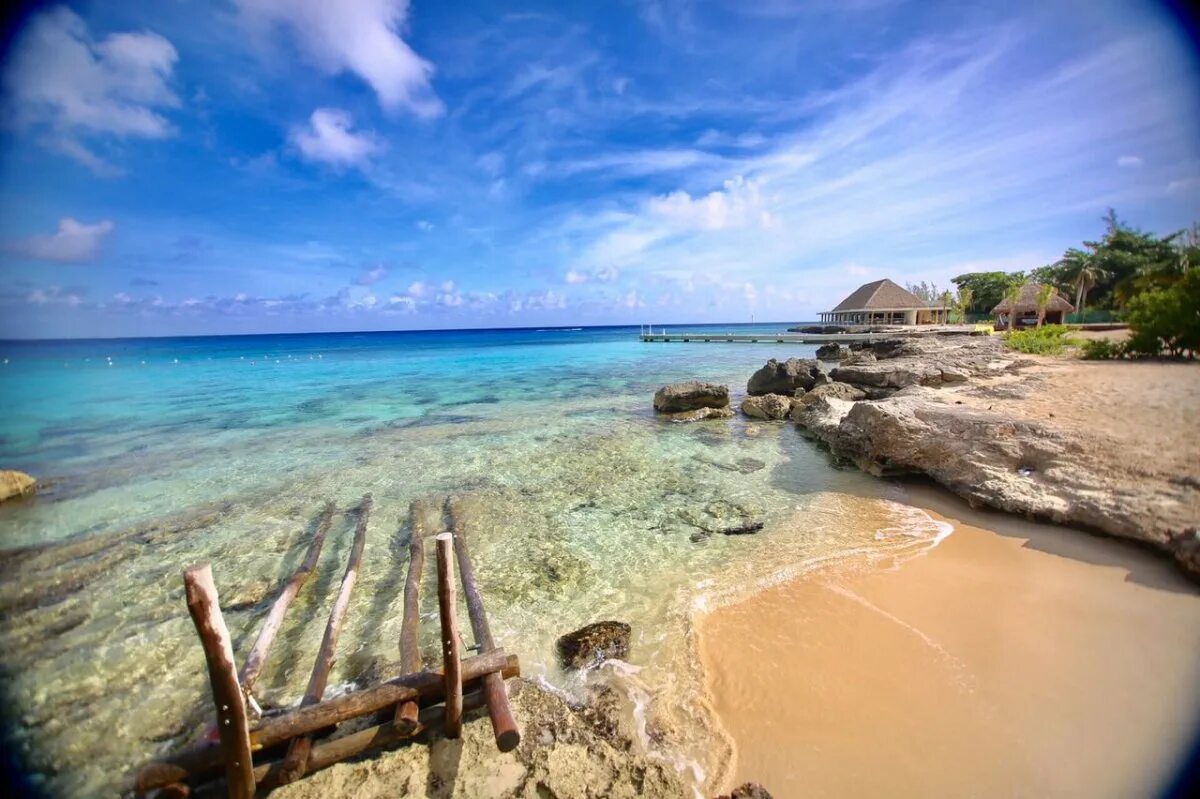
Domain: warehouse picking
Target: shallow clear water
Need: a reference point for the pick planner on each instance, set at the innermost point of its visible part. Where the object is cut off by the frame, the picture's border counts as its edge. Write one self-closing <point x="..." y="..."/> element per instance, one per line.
<point x="582" y="506"/>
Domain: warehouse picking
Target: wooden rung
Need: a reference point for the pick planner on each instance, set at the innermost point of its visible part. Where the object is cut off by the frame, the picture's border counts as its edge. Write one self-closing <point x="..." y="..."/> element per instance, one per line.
<point x="232" y="725"/>
<point x="297" y="756"/>
<point x="447" y="609"/>
<point x="423" y="688"/>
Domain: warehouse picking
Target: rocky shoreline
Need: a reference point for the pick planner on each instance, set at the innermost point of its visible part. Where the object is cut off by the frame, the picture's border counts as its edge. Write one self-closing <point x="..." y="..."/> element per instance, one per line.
<point x="949" y="408"/>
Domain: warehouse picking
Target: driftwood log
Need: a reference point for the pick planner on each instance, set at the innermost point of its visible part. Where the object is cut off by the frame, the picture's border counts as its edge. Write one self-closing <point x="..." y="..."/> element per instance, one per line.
<point x="423" y="687"/>
<point x="266" y="636"/>
<point x="504" y="725"/>
<point x="297" y="757"/>
<point x="448" y="611"/>
<point x="410" y="653"/>
<point x="232" y="724"/>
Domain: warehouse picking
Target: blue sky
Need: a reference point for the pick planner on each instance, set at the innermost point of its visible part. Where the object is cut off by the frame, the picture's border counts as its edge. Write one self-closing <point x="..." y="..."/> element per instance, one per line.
<point x="285" y="165"/>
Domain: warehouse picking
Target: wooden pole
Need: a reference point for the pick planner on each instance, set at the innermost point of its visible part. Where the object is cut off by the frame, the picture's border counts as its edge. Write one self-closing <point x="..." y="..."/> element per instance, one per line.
<point x="295" y="763"/>
<point x="423" y="687"/>
<point x="410" y="654"/>
<point x="504" y="725"/>
<point x="232" y="725"/>
<point x="451" y="662"/>
<point x="266" y="636"/>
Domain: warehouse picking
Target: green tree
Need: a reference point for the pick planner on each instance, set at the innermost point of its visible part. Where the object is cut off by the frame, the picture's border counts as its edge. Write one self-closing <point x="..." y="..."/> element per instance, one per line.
<point x="987" y="288"/>
<point x="1082" y="269"/>
<point x="1011" y="295"/>
<point x="1045" y="293"/>
<point x="1167" y="318"/>
<point x="963" y="302"/>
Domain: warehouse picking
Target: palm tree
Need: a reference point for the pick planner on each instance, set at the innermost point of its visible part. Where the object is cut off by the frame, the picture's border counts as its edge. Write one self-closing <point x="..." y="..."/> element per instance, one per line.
<point x="1011" y="295"/>
<point x="1045" y="292"/>
<point x="965" y="298"/>
<point x="947" y="301"/>
<point x="1083" y="272"/>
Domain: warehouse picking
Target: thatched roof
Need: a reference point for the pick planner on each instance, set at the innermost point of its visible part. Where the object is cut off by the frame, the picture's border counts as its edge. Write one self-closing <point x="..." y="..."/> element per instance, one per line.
<point x="882" y="295"/>
<point x="1027" y="301"/>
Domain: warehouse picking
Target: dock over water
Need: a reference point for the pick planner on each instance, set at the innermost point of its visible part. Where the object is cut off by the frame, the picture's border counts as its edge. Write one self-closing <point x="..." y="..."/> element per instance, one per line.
<point x="796" y="338"/>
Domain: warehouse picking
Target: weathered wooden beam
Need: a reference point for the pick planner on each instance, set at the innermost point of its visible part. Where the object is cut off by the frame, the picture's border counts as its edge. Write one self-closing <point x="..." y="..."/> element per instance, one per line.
<point x="423" y="688"/>
<point x="504" y="725"/>
<point x="297" y="756"/>
<point x="266" y="636"/>
<point x="410" y="653"/>
<point x="451" y="659"/>
<point x="326" y="754"/>
<point x="232" y="726"/>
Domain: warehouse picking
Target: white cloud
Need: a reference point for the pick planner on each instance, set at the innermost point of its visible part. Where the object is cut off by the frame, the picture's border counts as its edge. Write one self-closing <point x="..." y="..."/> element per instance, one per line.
<point x="61" y="80"/>
<point x="328" y="139"/>
<point x="400" y="302"/>
<point x="1129" y="161"/>
<point x="424" y="225"/>
<point x="575" y="277"/>
<point x="362" y="37"/>
<point x="740" y="204"/>
<point x="448" y="286"/>
<point x="372" y="276"/>
<point x="73" y="242"/>
<point x="418" y="289"/>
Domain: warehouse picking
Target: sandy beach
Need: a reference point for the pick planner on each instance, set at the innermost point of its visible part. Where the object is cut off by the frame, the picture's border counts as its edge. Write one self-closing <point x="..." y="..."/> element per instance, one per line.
<point x="1012" y="659"/>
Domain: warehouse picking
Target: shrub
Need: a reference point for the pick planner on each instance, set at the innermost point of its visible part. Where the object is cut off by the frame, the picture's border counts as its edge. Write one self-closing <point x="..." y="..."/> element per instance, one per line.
<point x="1045" y="340"/>
<point x="1102" y="349"/>
<point x="1167" y="318"/>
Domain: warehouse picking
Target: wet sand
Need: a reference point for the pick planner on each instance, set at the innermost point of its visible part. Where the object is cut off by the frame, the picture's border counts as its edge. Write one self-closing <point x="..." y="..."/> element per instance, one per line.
<point x="1013" y="659"/>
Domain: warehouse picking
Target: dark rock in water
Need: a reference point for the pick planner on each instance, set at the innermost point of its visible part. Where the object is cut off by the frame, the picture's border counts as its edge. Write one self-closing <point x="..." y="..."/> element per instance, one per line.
<point x="768" y="407"/>
<point x="690" y="396"/>
<point x="784" y="378"/>
<point x="810" y="329"/>
<point x="744" y="529"/>
<point x="748" y="465"/>
<point x="750" y="790"/>
<point x="830" y="352"/>
<point x="594" y="644"/>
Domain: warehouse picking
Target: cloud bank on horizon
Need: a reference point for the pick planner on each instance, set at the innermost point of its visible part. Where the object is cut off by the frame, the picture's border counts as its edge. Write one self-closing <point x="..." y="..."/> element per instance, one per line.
<point x="291" y="165"/>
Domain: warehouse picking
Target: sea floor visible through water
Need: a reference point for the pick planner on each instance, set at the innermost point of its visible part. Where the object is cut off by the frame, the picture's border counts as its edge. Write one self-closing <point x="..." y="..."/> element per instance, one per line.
<point x="159" y="454"/>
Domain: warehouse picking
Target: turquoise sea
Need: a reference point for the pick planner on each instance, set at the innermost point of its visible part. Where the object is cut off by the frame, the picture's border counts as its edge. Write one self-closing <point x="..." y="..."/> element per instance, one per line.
<point x="159" y="453"/>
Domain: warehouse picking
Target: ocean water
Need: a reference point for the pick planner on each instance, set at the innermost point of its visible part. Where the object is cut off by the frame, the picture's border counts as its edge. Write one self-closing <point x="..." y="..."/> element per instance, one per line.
<point x="160" y="453"/>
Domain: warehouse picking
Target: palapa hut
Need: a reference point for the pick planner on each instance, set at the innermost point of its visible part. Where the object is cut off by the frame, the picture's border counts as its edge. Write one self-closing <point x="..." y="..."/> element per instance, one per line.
<point x="885" y="303"/>
<point x="1027" y="308"/>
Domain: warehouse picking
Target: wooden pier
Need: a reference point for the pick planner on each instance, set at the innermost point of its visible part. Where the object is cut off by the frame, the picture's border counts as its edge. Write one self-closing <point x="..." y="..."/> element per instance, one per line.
<point x="796" y="338"/>
<point x="250" y="751"/>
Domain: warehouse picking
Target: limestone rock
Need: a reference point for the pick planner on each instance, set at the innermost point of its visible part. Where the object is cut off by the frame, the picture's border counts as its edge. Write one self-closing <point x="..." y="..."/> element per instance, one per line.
<point x="768" y="407"/>
<point x="16" y="484"/>
<point x="699" y="414"/>
<point x="785" y="378"/>
<point x="690" y="396"/>
<point x="594" y="644"/>
<point x="831" y="352"/>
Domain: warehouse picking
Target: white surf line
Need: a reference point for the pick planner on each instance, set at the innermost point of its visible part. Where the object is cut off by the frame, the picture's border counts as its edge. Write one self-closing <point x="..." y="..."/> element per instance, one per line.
<point x="964" y="679"/>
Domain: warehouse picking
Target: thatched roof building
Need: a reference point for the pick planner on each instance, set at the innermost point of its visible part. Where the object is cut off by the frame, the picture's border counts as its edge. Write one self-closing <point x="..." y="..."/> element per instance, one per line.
<point x="1027" y="306"/>
<point x="884" y="302"/>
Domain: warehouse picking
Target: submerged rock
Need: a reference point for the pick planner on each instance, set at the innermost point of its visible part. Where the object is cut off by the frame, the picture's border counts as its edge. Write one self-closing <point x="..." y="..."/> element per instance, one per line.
<point x="594" y="644"/>
<point x="690" y="396"/>
<point x="784" y="378"/>
<point x="700" y="414"/>
<point x="768" y="407"/>
<point x="16" y="484"/>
